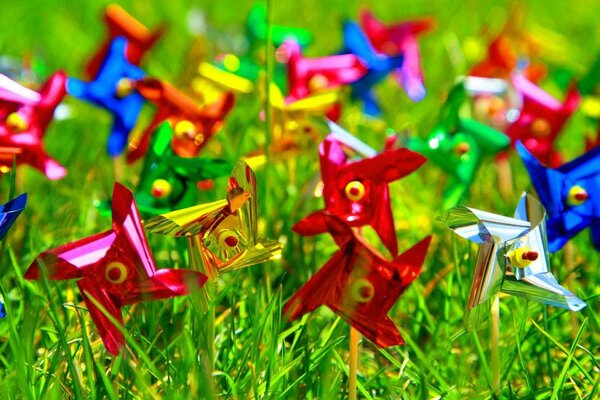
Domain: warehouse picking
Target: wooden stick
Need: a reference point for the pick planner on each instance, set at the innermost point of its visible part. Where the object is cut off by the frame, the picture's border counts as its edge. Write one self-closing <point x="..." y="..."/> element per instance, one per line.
<point x="505" y="183"/>
<point x="119" y="168"/>
<point x="569" y="258"/>
<point x="494" y="344"/>
<point x="353" y="370"/>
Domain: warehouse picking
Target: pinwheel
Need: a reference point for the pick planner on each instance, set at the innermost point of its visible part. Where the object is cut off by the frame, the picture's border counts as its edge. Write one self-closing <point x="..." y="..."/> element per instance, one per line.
<point x="458" y="145"/>
<point x="222" y="235"/>
<point x="570" y="193"/>
<point x="256" y="26"/>
<point x="541" y="119"/>
<point x="168" y="182"/>
<point x="113" y="89"/>
<point x="310" y="75"/>
<point x="252" y="64"/>
<point x="400" y="39"/>
<point x="501" y="61"/>
<point x="357" y="192"/>
<point x="379" y="66"/>
<point x="194" y="124"/>
<point x="513" y="258"/>
<point x="24" y="117"/>
<point x="120" y="24"/>
<point x="27" y="71"/>
<point x="10" y="211"/>
<point x="510" y="51"/>
<point x="246" y="68"/>
<point x="359" y="284"/>
<point x="8" y="215"/>
<point x="292" y="128"/>
<point x="494" y="101"/>
<point x="113" y="269"/>
<point x="7" y="156"/>
<point x="211" y="83"/>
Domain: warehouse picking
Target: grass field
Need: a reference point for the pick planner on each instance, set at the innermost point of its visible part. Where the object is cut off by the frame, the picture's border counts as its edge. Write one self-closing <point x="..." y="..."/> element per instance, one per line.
<point x="49" y="348"/>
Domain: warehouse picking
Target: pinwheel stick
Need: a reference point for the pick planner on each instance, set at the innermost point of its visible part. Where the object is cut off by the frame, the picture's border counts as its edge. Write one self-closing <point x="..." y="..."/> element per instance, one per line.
<point x="494" y="347"/>
<point x="569" y="257"/>
<point x="119" y="168"/>
<point x="505" y="177"/>
<point x="207" y="354"/>
<point x="353" y="370"/>
<point x="270" y="56"/>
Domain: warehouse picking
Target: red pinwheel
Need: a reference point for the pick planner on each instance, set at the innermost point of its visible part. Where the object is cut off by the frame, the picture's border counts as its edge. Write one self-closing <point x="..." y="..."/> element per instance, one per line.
<point x="503" y="57"/>
<point x="114" y="269"/>
<point x="541" y="120"/>
<point x="24" y="117"/>
<point x="400" y="39"/>
<point x="309" y="75"/>
<point x="358" y="192"/>
<point x="120" y="23"/>
<point x="359" y="284"/>
<point x="194" y="124"/>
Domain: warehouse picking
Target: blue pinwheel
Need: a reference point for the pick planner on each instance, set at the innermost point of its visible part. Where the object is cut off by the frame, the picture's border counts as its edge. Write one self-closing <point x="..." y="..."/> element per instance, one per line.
<point x="379" y="66"/>
<point x="8" y="214"/>
<point x="113" y="89"/>
<point x="570" y="194"/>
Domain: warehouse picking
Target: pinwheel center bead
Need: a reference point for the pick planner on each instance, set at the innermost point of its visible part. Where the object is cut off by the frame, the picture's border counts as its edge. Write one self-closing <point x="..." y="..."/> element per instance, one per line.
<point x="15" y="122"/>
<point x="540" y="128"/>
<point x="292" y="125"/>
<point x="199" y="139"/>
<point x="228" y="239"/>
<point x="124" y="87"/>
<point x="496" y="105"/>
<point x="362" y="290"/>
<point x="116" y="272"/>
<point x="231" y="63"/>
<point x="462" y="148"/>
<point x="355" y="191"/>
<point x="577" y="196"/>
<point x="522" y="257"/>
<point x="318" y="82"/>
<point x="185" y="129"/>
<point x="161" y="188"/>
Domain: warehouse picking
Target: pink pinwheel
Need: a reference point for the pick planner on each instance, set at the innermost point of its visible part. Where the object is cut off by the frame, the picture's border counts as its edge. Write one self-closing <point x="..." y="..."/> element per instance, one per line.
<point x="541" y="120"/>
<point x="24" y="118"/>
<point x="309" y="75"/>
<point x="357" y="192"/>
<point x="400" y="38"/>
<point x="113" y="269"/>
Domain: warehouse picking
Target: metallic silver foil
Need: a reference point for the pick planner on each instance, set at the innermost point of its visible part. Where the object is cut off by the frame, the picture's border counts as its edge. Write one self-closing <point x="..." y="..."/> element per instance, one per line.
<point x="499" y="236"/>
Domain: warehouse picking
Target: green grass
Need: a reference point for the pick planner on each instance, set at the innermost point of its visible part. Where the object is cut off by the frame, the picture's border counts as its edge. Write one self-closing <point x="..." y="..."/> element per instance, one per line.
<point x="49" y="348"/>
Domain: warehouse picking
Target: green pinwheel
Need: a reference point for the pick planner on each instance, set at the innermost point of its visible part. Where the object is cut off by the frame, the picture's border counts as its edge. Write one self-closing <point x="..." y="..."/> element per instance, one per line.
<point x="169" y="182"/>
<point x="251" y="64"/>
<point x="458" y="145"/>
